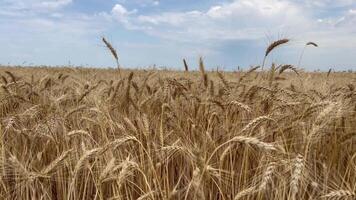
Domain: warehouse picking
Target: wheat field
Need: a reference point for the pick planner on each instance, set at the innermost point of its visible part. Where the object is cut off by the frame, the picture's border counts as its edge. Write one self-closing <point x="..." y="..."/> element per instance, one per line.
<point x="71" y="133"/>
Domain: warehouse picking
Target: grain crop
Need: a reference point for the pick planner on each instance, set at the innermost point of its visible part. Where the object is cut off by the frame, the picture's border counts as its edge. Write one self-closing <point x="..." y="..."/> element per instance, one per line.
<point x="86" y="133"/>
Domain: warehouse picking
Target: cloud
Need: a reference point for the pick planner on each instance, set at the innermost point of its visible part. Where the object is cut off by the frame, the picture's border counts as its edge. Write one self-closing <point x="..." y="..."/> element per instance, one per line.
<point x="349" y="19"/>
<point x="164" y="34"/>
<point x="21" y="8"/>
<point x="43" y="32"/>
<point x="54" y="4"/>
<point x="329" y="4"/>
<point x="120" y="12"/>
<point x="140" y="3"/>
<point x="329" y="23"/>
<point x="260" y="8"/>
<point x="171" y="19"/>
<point x="243" y="19"/>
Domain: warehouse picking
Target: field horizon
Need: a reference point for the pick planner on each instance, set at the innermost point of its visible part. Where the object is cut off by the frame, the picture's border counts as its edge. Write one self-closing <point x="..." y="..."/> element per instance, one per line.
<point x="164" y="68"/>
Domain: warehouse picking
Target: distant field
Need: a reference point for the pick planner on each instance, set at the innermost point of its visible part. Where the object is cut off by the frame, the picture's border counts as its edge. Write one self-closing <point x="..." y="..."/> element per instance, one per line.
<point x="71" y="133"/>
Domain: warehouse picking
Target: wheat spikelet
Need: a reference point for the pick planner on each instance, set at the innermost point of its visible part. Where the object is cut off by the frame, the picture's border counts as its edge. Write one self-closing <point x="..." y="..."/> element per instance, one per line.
<point x="146" y="124"/>
<point x="311" y="44"/>
<point x="107" y="170"/>
<point x="130" y="125"/>
<point x="127" y="167"/>
<point x="223" y="80"/>
<point x="22" y="170"/>
<point x="56" y="163"/>
<point x="285" y="67"/>
<point x="272" y="46"/>
<point x="325" y="113"/>
<point x="329" y="72"/>
<point x="18" y="166"/>
<point x="249" y="72"/>
<point x="5" y="88"/>
<point x="63" y="78"/>
<point x="339" y="194"/>
<point x="147" y="195"/>
<point x="127" y="92"/>
<point x="225" y="152"/>
<point x="116" y="90"/>
<point x="241" y="105"/>
<point x="80" y="108"/>
<point x="211" y="88"/>
<point x="297" y="175"/>
<point x="254" y="142"/>
<point x="12" y="76"/>
<point x="202" y="71"/>
<point x="4" y="80"/>
<point x="314" y="107"/>
<point x="351" y="87"/>
<point x="114" y="144"/>
<point x="243" y="193"/>
<point x="255" y="122"/>
<point x="196" y="185"/>
<point x="81" y="97"/>
<point x="267" y="176"/>
<point x="10" y="123"/>
<point x="79" y="133"/>
<point x="271" y="75"/>
<point x="186" y="68"/>
<point x="113" y="51"/>
<point x="87" y="155"/>
<point x="321" y="120"/>
<point x="201" y="65"/>
<point x="302" y="54"/>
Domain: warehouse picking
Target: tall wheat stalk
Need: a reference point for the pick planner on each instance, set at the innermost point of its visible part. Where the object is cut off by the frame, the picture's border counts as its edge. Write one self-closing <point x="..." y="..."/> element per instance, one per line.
<point x="303" y="51"/>
<point x="113" y="52"/>
<point x="272" y="46"/>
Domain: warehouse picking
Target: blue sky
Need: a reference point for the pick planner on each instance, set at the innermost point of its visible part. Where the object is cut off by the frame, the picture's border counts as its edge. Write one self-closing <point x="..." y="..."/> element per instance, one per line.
<point x="227" y="33"/>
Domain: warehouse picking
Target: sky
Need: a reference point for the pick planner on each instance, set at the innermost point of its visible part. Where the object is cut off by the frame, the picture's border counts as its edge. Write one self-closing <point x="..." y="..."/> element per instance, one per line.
<point x="146" y="33"/>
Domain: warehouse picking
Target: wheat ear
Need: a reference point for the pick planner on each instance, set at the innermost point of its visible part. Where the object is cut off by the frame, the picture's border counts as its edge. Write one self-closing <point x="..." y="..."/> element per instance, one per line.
<point x="272" y="46"/>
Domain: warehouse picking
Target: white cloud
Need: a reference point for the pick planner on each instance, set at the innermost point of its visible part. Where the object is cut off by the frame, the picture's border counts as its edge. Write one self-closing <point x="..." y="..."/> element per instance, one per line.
<point x="239" y="19"/>
<point x="329" y="3"/>
<point x="54" y="4"/>
<point x="173" y="19"/>
<point x="251" y="20"/>
<point x="141" y="3"/>
<point x="119" y="11"/>
<point x="208" y="31"/>
<point x="349" y="19"/>
<point x="263" y="8"/>
<point x="121" y="14"/>
<point x="31" y="7"/>
<point x="53" y="40"/>
<point x="244" y="20"/>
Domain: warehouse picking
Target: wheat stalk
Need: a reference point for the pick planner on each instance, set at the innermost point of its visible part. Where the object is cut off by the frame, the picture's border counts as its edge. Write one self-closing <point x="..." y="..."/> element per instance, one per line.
<point x="305" y="46"/>
<point x="272" y="46"/>
<point x="186" y="68"/>
<point x="112" y="51"/>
